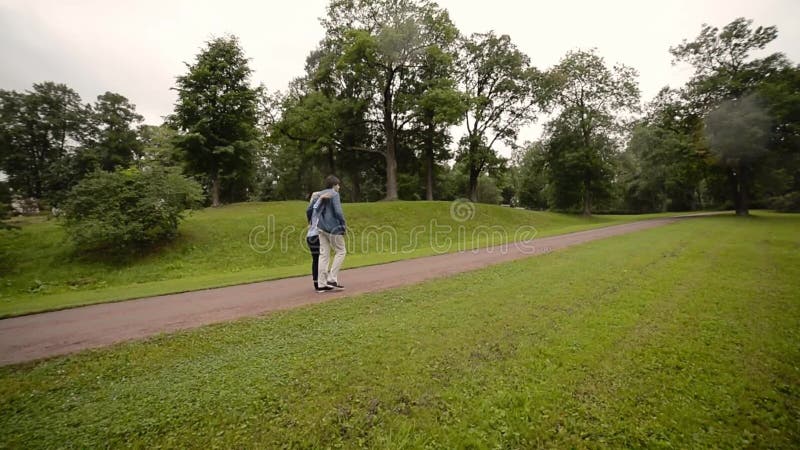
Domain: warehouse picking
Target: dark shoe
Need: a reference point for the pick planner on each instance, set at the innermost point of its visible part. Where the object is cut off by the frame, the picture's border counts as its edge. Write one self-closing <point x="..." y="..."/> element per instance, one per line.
<point x="335" y="285"/>
<point x="323" y="289"/>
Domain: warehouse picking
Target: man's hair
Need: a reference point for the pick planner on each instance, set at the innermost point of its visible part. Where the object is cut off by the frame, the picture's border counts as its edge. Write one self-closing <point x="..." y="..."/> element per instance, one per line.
<point x="331" y="181"/>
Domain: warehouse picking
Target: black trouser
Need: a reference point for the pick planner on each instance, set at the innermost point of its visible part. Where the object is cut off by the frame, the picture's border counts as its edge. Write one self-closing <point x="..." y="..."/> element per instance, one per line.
<point x="313" y="245"/>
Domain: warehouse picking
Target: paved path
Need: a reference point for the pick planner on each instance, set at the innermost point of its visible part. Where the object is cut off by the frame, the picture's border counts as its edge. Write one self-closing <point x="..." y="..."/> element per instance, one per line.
<point x="54" y="333"/>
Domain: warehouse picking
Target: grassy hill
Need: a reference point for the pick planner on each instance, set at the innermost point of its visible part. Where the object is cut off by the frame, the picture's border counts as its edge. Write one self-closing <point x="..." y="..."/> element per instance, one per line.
<point x="683" y="336"/>
<point x="231" y="245"/>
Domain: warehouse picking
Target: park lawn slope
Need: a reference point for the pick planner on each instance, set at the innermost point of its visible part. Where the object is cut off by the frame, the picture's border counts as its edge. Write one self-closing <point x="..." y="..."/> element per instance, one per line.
<point x="250" y="242"/>
<point x="682" y="336"/>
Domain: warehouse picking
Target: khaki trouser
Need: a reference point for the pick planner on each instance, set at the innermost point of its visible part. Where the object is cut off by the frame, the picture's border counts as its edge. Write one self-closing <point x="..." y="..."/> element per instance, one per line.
<point x="326" y="242"/>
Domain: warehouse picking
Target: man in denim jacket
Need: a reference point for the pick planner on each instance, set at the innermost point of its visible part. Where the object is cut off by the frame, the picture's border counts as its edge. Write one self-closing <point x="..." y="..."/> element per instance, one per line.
<point x="332" y="228"/>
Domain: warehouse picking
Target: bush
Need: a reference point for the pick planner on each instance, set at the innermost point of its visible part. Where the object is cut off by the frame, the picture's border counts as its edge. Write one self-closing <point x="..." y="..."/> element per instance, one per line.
<point x="487" y="191"/>
<point x="128" y="209"/>
<point x="786" y="203"/>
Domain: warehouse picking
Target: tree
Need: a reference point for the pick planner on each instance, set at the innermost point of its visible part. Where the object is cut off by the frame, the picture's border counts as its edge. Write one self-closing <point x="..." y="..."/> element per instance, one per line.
<point x="590" y="99"/>
<point x="437" y="104"/>
<point x="503" y="93"/>
<point x="721" y="60"/>
<point x="37" y="129"/>
<point x="738" y="132"/>
<point x="779" y="174"/>
<point x="110" y="139"/>
<point x="384" y="42"/>
<point x="299" y="128"/>
<point x="216" y="113"/>
<point x="665" y="162"/>
<point x="528" y="176"/>
<point x="725" y="74"/>
<point x="663" y="172"/>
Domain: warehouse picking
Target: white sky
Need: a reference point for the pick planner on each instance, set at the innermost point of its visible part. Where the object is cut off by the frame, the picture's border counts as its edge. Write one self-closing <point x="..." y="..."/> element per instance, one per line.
<point x="137" y="48"/>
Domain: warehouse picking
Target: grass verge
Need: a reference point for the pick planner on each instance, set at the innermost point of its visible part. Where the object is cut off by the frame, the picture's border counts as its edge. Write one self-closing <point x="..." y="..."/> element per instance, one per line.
<point x="681" y="336"/>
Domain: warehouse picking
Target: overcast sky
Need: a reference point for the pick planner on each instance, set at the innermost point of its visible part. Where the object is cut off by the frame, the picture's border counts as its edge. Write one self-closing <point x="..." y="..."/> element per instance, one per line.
<point x="137" y="48"/>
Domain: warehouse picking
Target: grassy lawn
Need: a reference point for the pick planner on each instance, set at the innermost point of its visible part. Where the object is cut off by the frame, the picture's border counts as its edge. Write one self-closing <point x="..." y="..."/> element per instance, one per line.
<point x="40" y="271"/>
<point x="681" y="336"/>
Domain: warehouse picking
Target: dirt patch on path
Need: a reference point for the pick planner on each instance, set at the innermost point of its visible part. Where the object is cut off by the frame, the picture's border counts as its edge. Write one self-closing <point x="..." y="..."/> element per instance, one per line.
<point x="43" y="335"/>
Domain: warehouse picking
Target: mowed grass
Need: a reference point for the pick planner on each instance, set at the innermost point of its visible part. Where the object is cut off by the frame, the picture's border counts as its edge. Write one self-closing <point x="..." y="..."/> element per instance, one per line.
<point x="249" y="242"/>
<point x="682" y="336"/>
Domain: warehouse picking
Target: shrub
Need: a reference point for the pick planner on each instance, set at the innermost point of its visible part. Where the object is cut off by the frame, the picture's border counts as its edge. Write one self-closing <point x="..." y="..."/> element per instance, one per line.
<point x="786" y="203"/>
<point x="128" y="209"/>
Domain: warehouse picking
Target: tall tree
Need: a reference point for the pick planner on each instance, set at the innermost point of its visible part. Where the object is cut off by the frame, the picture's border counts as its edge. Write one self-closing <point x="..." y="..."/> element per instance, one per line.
<point x="664" y="164"/>
<point x="110" y="139"/>
<point x="590" y="99"/>
<point x="726" y="72"/>
<point x="738" y="133"/>
<point x="503" y="94"/>
<point x="438" y="105"/>
<point x="37" y="129"/>
<point x="216" y="113"/>
<point x="384" y="42"/>
<point x="528" y="177"/>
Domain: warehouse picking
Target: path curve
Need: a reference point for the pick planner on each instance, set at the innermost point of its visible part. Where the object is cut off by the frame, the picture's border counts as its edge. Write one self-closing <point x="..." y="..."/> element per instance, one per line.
<point x="48" y="334"/>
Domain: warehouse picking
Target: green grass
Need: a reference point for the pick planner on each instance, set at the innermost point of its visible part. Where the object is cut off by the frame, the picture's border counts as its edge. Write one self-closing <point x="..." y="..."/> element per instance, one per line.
<point x="40" y="271"/>
<point x="683" y="336"/>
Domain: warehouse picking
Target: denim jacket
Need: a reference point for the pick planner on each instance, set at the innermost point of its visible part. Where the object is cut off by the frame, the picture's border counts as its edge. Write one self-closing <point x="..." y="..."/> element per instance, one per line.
<point x="331" y="216"/>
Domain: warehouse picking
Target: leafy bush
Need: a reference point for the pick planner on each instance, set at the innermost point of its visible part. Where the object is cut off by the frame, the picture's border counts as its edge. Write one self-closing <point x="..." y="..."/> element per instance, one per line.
<point x="786" y="203"/>
<point x="128" y="209"/>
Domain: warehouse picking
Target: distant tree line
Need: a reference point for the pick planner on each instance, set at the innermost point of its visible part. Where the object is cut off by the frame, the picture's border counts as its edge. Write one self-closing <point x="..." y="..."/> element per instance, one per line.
<point x="378" y="104"/>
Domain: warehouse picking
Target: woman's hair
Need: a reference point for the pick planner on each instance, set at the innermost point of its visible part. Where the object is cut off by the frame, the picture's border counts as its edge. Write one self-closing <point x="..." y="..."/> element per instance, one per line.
<point x="331" y="181"/>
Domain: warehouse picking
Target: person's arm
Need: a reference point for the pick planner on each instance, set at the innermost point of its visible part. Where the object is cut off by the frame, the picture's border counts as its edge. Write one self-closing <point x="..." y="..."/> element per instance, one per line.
<point x="337" y="208"/>
<point x="310" y="208"/>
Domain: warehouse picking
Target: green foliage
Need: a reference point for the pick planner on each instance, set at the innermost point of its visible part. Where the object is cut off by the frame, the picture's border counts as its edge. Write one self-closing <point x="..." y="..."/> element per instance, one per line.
<point x="674" y="341"/>
<point x="128" y="210"/>
<point x="396" y="50"/>
<point x="158" y="146"/>
<point x="487" y="191"/>
<point x="216" y="113"/>
<point x="110" y="138"/>
<point x="591" y="99"/>
<point x="786" y="203"/>
<point x="528" y="176"/>
<point x="5" y="201"/>
<point x="722" y="64"/>
<point x="37" y="130"/>
<point x="661" y="171"/>
<point x="725" y="79"/>
<point x="579" y="171"/>
<point x="503" y="94"/>
<point x="738" y="131"/>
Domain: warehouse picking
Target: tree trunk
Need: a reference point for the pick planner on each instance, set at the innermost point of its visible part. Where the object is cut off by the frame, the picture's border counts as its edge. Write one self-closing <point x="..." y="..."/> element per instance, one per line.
<point x="473" y="184"/>
<point x="391" y="156"/>
<point x="743" y="205"/>
<point x="215" y="185"/>
<point x="391" y="145"/>
<point x="429" y="163"/>
<point x="356" y="180"/>
<point x="429" y="176"/>
<point x="587" y="198"/>
<point x="391" y="172"/>
<point x="474" y="170"/>
<point x="733" y="179"/>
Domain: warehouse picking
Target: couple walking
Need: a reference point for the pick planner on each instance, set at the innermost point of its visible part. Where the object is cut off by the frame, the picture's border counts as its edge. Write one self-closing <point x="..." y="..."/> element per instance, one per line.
<point x="325" y="233"/>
